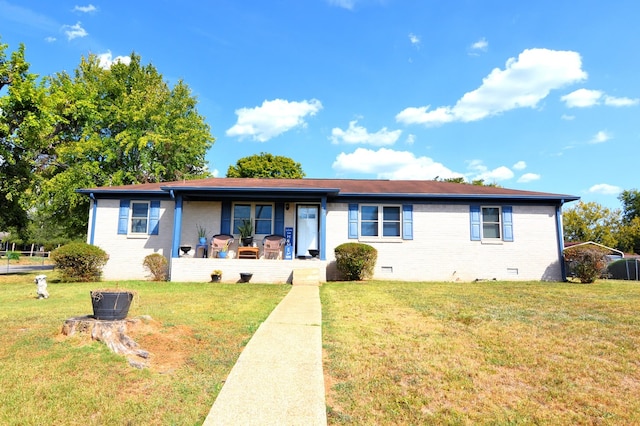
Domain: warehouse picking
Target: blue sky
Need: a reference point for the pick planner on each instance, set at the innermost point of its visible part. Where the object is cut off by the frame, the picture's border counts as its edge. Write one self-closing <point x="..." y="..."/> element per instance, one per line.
<point x="540" y="96"/>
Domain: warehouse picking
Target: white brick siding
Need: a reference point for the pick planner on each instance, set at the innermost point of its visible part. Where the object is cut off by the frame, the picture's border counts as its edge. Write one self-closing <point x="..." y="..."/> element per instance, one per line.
<point x="441" y="248"/>
<point x="126" y="254"/>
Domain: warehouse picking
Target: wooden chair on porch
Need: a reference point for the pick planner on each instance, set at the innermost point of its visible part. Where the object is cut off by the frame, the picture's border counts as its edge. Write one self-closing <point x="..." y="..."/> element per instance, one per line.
<point x="220" y="242"/>
<point x="272" y="246"/>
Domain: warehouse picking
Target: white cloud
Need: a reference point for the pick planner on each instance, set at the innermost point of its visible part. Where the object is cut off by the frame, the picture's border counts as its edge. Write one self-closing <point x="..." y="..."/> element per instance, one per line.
<point x="414" y="39"/>
<point x="528" y="177"/>
<point x="520" y="165"/>
<point x="85" y="9"/>
<point x="481" y="45"/>
<point x="582" y="98"/>
<point x="479" y="171"/>
<point x="357" y="134"/>
<point x="567" y="117"/>
<point x="600" y="137"/>
<point x="74" y="31"/>
<point x="50" y="39"/>
<point x="390" y="164"/>
<point x="411" y="139"/>
<point x="106" y="60"/>
<point x="620" y="102"/>
<point x="345" y="4"/>
<point x="272" y="118"/>
<point x="523" y="83"/>
<point x="604" y="188"/>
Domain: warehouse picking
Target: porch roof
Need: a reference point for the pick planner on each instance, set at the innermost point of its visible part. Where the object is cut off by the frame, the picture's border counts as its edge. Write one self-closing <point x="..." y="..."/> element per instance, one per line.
<point x="308" y="188"/>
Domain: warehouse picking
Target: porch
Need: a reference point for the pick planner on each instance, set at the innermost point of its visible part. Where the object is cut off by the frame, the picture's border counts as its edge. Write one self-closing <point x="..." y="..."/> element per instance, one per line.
<point x="271" y="271"/>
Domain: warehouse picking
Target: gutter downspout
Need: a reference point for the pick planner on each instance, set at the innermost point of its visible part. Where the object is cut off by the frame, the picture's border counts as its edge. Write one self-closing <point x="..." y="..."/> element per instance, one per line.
<point x="560" y="233"/>
<point x="323" y="228"/>
<point x="94" y="213"/>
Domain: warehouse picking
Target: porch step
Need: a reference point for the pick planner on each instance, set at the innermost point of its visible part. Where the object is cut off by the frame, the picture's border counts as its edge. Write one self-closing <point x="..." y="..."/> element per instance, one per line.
<point x="306" y="276"/>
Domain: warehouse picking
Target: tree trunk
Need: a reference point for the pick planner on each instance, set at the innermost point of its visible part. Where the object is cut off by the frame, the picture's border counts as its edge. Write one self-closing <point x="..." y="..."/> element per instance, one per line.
<point x="111" y="333"/>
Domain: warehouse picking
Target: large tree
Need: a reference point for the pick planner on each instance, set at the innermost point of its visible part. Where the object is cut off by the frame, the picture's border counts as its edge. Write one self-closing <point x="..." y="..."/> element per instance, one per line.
<point x="630" y="199"/>
<point x="630" y="237"/>
<point x="266" y="165"/>
<point x="115" y="126"/>
<point x="21" y="122"/>
<point x="592" y="222"/>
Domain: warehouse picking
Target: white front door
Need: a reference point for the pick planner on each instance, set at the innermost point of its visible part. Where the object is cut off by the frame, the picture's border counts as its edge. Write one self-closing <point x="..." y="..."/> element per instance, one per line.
<point x="307" y="229"/>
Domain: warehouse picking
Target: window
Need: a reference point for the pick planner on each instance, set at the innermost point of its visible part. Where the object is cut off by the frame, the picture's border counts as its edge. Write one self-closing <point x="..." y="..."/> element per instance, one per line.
<point x="138" y="218"/>
<point x="260" y="215"/>
<point x="380" y="221"/>
<point x="491" y="223"/>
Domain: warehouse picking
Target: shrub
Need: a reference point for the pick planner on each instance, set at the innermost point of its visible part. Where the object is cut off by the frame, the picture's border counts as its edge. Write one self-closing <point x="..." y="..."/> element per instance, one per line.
<point x="355" y="261"/>
<point x="158" y="265"/>
<point x="13" y="255"/>
<point x="79" y="261"/>
<point x="587" y="263"/>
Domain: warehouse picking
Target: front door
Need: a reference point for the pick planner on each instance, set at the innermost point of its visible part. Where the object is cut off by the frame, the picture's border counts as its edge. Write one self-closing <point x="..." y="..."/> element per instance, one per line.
<point x="307" y="229"/>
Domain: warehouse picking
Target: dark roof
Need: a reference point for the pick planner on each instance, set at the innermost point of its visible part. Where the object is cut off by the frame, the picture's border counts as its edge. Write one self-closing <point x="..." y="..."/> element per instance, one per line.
<point x="333" y="188"/>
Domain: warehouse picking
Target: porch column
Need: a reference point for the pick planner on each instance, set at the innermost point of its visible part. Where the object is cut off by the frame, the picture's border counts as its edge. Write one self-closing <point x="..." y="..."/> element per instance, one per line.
<point x="323" y="228"/>
<point x="177" y="227"/>
<point x="94" y="213"/>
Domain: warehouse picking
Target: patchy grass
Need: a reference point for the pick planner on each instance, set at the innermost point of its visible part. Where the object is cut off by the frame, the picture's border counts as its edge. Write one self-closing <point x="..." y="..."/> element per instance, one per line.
<point x="482" y="353"/>
<point x="196" y="334"/>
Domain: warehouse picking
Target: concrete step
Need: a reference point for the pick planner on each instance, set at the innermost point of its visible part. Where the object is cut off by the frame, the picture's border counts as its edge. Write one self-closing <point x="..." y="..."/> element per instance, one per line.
<point x="306" y="276"/>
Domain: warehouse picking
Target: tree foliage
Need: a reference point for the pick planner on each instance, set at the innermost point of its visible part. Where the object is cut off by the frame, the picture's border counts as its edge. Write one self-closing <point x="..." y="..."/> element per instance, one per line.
<point x="630" y="200"/>
<point x="21" y="121"/>
<point x="591" y="222"/>
<point x="266" y="165"/>
<point x="460" y="179"/>
<point x="116" y="126"/>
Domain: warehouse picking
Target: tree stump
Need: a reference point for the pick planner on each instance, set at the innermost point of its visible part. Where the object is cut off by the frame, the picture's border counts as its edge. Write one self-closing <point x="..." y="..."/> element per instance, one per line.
<point x="111" y="333"/>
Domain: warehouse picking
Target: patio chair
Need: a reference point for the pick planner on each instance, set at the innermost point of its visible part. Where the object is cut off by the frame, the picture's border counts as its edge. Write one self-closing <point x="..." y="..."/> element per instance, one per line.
<point x="219" y="243"/>
<point x="272" y="246"/>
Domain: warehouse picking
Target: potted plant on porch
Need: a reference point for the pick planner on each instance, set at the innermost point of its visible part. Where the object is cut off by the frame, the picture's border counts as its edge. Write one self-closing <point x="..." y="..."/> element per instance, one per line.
<point x="216" y="275"/>
<point x="246" y="231"/>
<point x="202" y="234"/>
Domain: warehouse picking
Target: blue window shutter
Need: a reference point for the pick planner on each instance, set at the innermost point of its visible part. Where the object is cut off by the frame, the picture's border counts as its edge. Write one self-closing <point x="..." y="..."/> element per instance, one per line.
<point x="225" y="218"/>
<point x="123" y="217"/>
<point x="353" y="220"/>
<point x="278" y="220"/>
<point x="407" y="221"/>
<point x="154" y="217"/>
<point x="474" y="214"/>
<point x="507" y="223"/>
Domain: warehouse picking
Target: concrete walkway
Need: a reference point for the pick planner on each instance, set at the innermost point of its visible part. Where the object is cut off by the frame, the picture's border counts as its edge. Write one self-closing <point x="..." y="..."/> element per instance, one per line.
<point x="278" y="377"/>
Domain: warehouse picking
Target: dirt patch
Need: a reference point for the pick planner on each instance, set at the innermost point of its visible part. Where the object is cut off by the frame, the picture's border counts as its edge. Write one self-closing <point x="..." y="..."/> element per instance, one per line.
<point x="169" y="347"/>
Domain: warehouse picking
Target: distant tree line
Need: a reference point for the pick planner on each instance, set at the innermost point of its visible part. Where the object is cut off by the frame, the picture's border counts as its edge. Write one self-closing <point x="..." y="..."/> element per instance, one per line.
<point x="617" y="228"/>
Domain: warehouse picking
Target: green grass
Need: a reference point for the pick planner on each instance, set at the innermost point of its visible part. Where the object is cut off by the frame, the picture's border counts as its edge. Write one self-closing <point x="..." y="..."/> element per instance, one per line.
<point x="482" y="353"/>
<point x="48" y="378"/>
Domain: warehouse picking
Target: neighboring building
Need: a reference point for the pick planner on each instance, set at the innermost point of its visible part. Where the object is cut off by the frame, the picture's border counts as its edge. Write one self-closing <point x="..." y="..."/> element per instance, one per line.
<point x="423" y="230"/>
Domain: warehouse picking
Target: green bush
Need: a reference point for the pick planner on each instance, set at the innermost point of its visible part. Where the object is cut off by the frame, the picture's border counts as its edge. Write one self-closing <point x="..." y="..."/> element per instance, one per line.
<point x="79" y="261"/>
<point x="13" y="255"/>
<point x="355" y="261"/>
<point x="587" y="263"/>
<point x="158" y="265"/>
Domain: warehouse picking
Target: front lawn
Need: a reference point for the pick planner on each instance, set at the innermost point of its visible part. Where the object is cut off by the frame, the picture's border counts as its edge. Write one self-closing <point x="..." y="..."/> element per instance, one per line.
<point x="482" y="353"/>
<point x="195" y="334"/>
